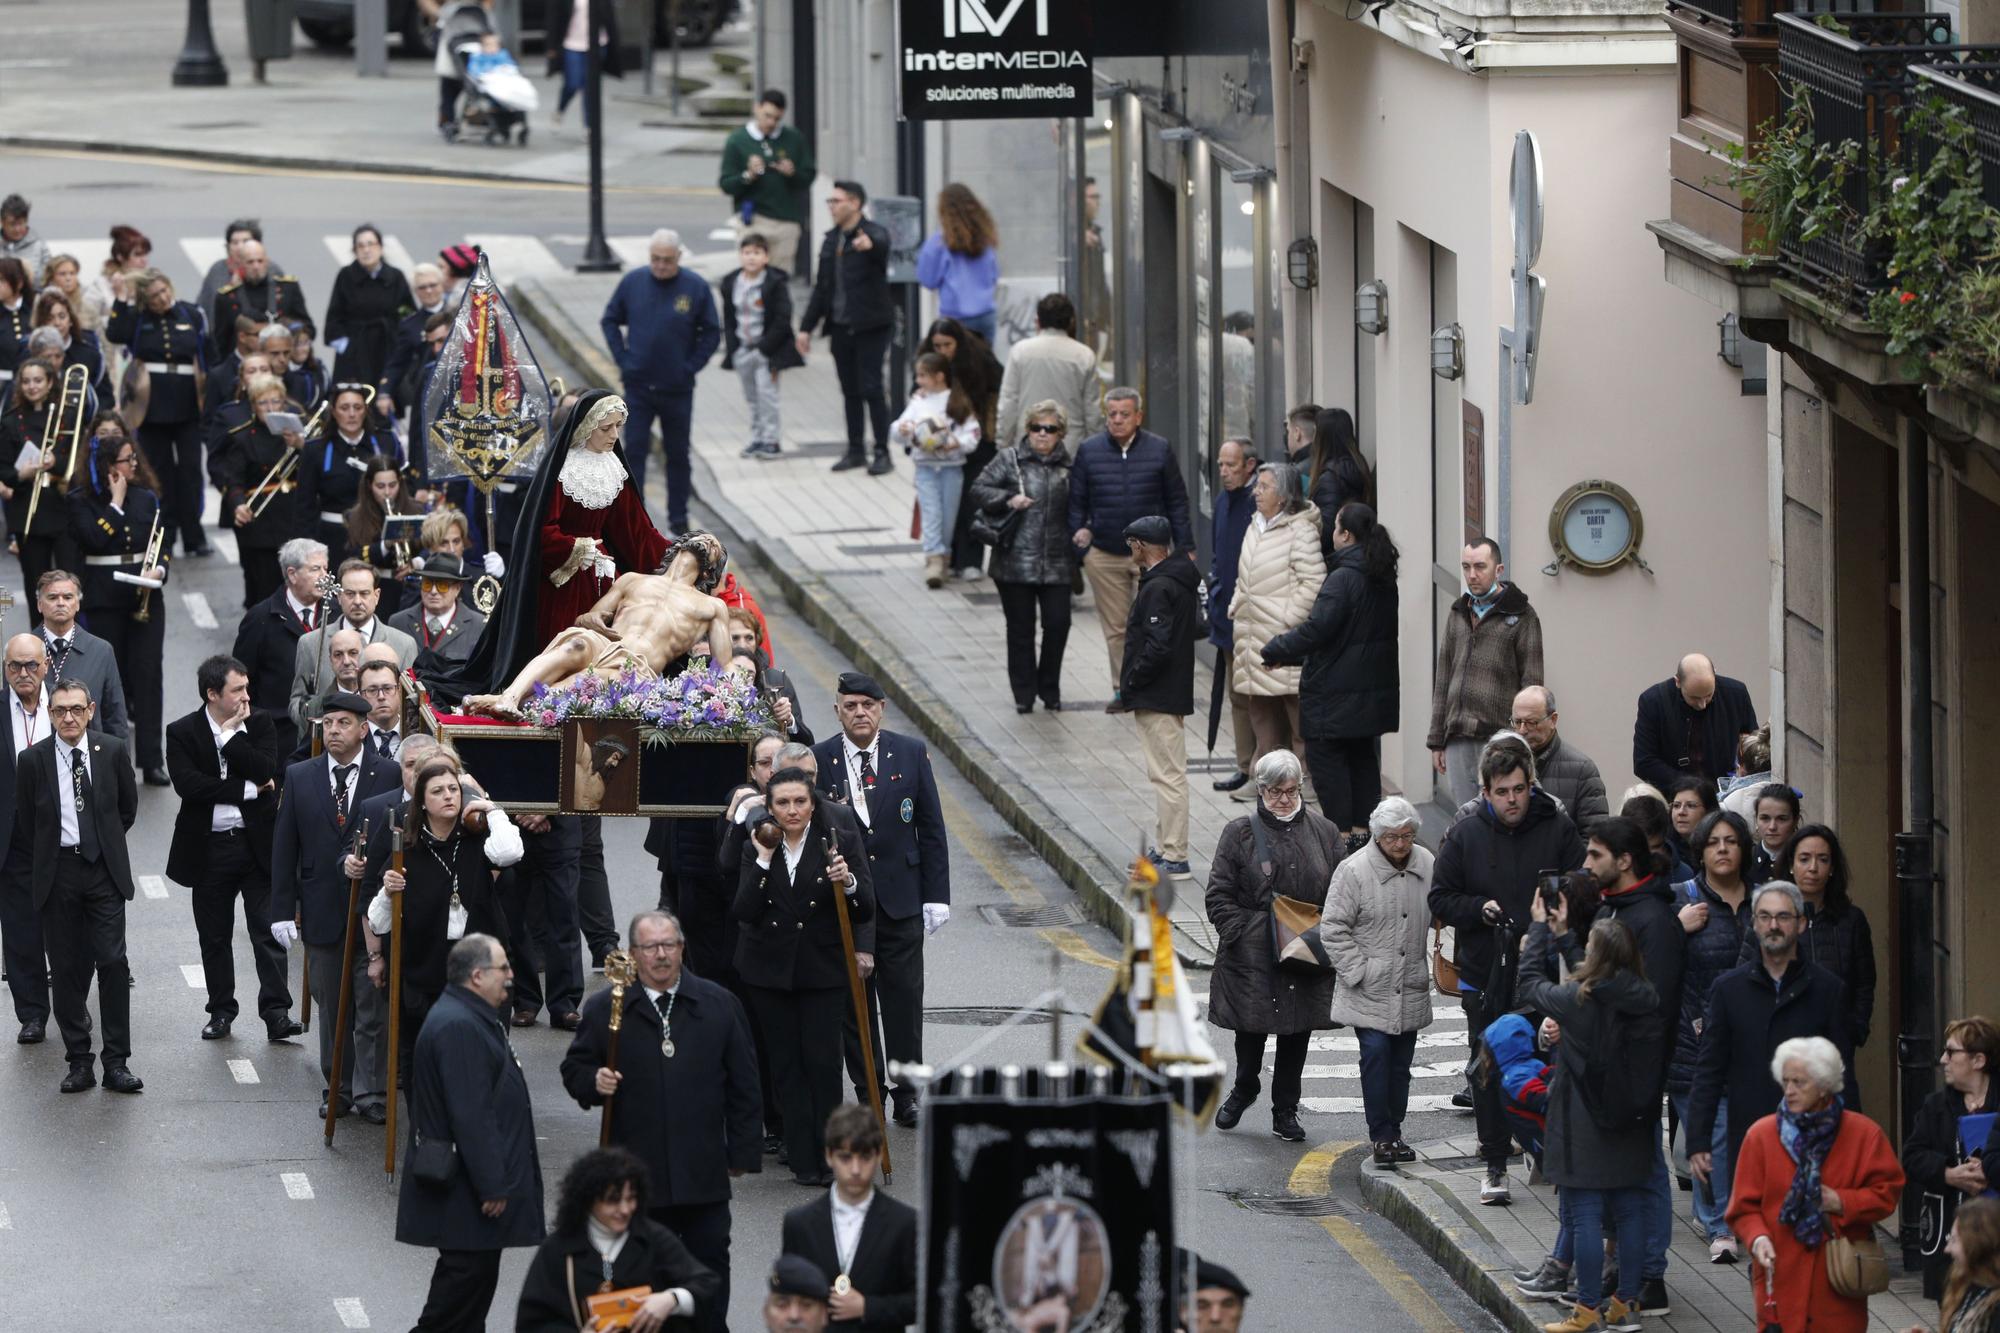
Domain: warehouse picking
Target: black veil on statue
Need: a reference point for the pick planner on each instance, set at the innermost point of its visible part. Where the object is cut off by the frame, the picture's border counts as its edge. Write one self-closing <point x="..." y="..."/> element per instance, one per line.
<point x="510" y="640"/>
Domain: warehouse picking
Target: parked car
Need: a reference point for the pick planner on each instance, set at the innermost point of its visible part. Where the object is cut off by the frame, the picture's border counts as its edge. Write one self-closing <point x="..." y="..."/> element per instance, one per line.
<point x="329" y="24"/>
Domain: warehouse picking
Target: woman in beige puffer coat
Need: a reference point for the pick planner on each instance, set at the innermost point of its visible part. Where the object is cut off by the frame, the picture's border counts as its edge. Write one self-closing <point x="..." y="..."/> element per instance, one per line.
<point x="1277" y="576"/>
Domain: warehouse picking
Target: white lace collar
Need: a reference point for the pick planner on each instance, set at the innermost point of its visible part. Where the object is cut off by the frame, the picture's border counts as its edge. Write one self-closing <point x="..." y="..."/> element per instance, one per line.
<point x="592" y="480"/>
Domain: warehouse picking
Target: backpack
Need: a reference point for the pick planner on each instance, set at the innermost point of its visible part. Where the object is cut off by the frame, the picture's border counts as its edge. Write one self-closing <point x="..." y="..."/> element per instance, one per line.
<point x="1617" y="1081"/>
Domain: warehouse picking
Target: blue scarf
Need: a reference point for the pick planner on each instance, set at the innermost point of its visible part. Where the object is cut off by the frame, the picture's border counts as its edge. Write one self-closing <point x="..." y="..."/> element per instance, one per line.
<point x="1807" y="1138"/>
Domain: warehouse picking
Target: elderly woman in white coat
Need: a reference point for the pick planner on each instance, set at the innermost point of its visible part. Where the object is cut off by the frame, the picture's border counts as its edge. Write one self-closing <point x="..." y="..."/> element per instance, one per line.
<point x="1373" y="928"/>
<point x="1277" y="576"/>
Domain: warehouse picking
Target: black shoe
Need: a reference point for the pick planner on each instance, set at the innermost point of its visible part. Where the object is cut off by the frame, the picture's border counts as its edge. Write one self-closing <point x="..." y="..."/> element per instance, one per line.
<point x="33" y="1032"/>
<point x="120" y="1079"/>
<point x="375" y="1113"/>
<point x="1052" y="702"/>
<point x="568" y="1022"/>
<point x="1285" y="1124"/>
<point x="1385" y="1156"/>
<point x="1461" y="1100"/>
<point x="524" y="1018"/>
<point x="200" y="552"/>
<point x="1653" y="1297"/>
<point x="1116" y="705"/>
<point x="1027" y="707"/>
<point x="849" y="461"/>
<point x="905" y="1113"/>
<point x="1232" y="1108"/>
<point x="80" y="1078"/>
<point x="784" y="1155"/>
<point x="1404" y="1152"/>
<point x="156" y="777"/>
<point x="284" y="1029"/>
<point x="773" y="1145"/>
<point x="882" y="464"/>
<point x="215" y="1030"/>
<point x="816" y="1181"/>
<point x="346" y="1109"/>
<point x="1232" y="782"/>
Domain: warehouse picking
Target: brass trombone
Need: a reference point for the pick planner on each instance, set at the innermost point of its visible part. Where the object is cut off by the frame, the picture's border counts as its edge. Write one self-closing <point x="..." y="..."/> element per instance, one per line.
<point x="76" y="389"/>
<point x="280" y="478"/>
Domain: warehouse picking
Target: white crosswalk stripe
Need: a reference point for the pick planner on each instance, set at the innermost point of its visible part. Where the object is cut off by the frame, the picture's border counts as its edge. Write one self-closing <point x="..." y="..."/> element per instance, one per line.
<point x="89" y="253"/>
<point x="1432" y="1083"/>
<point x="200" y="613"/>
<point x="296" y="1185"/>
<point x="152" y="886"/>
<point x="191" y="974"/>
<point x="243" y="1071"/>
<point x="633" y="251"/>
<point x="394" y="252"/>
<point x="224" y="542"/>
<point x="516" y="256"/>
<point x="351" y="1313"/>
<point x="202" y="252"/>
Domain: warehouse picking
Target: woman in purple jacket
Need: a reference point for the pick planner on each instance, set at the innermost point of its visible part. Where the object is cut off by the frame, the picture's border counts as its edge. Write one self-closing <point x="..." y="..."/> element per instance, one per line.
<point x="959" y="261"/>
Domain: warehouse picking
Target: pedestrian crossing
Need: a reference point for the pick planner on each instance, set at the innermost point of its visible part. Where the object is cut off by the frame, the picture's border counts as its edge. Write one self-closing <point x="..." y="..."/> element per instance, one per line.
<point x="1333" y="1086"/>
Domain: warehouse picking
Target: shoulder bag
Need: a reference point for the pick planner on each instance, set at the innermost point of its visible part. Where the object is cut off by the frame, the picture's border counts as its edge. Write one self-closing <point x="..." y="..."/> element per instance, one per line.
<point x="606" y="1309"/>
<point x="997" y="533"/>
<point x="1856" y="1269"/>
<point x="432" y="1160"/>
<point x="1296" y="947"/>
<point x="1444" y="972"/>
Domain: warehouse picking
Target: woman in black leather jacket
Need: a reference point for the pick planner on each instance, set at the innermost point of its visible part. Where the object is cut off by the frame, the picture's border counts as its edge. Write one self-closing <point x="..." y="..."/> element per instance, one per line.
<point x="1031" y="567"/>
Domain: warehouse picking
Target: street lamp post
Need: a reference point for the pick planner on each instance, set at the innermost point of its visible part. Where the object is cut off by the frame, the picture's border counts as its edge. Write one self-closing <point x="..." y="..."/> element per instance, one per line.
<point x="199" y="64"/>
<point x="597" y="256"/>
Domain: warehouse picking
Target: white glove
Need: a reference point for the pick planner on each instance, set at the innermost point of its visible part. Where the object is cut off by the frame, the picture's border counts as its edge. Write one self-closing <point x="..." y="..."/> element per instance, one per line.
<point x="286" y="933"/>
<point x="935" y="915"/>
<point x="338" y="346"/>
<point x="503" y="840"/>
<point x="378" y="912"/>
<point x="495" y="566"/>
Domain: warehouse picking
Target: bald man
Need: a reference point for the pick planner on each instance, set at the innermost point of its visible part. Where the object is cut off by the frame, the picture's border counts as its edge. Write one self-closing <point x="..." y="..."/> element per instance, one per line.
<point x="1691" y="723"/>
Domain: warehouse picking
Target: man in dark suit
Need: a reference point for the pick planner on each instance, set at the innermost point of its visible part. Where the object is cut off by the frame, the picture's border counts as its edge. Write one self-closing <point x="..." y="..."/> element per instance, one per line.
<point x="685" y="1095"/>
<point x="862" y="1236"/>
<point x="77" y="654"/>
<point x="445" y="628"/>
<point x="224" y="762"/>
<point x="1691" y="723"/>
<point x="267" y="640"/>
<point x="74" y="799"/>
<point x="27" y="964"/>
<point x="886" y="780"/>
<point x="318" y="818"/>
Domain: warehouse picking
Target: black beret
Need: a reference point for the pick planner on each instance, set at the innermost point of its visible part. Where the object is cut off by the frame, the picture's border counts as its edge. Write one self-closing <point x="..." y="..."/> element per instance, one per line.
<point x="1152" y="530"/>
<point x="1210" y="1274"/>
<point x="345" y="701"/>
<point x="856" y="682"/>
<point x="796" y="1275"/>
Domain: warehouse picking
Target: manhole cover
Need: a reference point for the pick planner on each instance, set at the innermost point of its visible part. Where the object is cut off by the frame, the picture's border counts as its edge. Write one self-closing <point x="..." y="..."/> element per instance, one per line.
<point x="1294" y="1205"/>
<point x="1015" y="914"/>
<point x="991" y="1016"/>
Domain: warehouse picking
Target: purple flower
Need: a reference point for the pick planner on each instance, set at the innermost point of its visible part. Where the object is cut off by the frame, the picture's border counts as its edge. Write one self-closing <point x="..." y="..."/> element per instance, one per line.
<point x="548" y="717"/>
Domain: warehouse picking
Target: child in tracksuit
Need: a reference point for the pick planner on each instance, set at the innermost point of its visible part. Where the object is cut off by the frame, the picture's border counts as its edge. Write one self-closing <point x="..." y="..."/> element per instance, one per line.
<point x="757" y="339"/>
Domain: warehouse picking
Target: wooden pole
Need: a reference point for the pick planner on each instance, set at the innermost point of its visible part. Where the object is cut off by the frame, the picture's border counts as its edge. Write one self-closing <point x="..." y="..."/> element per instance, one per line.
<point x="395" y="997"/>
<point x="860" y="997"/>
<point x="343" y="1011"/>
<point x="620" y="970"/>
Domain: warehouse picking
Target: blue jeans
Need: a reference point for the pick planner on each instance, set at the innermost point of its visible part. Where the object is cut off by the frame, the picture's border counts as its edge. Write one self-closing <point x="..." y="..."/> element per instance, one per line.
<point x="1385" y="1080"/>
<point x="675" y="413"/>
<point x="938" y="489"/>
<point x="1659" y="1215"/>
<point x="1711" y="1201"/>
<point x="1584" y="1212"/>
<point x="984" y="325"/>
<point x="576" y="72"/>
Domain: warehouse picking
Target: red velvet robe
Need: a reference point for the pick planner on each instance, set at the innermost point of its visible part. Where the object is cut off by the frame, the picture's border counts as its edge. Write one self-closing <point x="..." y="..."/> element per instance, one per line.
<point x="624" y="531"/>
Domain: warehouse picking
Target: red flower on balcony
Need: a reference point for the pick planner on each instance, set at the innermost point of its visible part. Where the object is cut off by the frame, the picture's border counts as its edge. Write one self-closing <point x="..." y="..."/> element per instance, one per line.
<point x="1907" y="297"/>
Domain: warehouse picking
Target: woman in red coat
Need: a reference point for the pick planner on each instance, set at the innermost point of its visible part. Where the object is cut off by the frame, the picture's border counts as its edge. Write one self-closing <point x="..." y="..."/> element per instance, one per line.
<point x="1812" y="1170"/>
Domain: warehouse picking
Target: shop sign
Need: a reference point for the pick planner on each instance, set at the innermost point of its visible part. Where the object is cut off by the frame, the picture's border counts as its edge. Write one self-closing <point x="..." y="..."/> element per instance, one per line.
<point x="993" y="59"/>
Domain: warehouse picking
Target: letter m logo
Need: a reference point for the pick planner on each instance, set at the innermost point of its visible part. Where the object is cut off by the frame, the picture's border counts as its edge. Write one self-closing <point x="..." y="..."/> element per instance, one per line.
<point x="969" y="17"/>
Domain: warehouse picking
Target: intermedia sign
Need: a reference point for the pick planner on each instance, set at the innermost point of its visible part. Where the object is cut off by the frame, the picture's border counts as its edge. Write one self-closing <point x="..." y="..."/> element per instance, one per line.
<point x="994" y="59"/>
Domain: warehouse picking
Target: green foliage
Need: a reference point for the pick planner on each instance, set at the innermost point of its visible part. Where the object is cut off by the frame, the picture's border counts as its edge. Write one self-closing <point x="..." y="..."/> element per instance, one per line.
<point x="1793" y="184"/>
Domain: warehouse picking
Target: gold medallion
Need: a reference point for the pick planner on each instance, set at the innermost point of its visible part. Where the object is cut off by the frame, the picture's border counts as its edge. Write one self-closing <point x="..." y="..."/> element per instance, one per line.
<point x="841" y="1286"/>
<point x="667" y="1047"/>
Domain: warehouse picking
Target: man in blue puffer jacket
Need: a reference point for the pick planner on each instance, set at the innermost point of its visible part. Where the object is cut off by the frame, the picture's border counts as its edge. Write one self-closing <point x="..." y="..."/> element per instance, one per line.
<point x="1120" y="475"/>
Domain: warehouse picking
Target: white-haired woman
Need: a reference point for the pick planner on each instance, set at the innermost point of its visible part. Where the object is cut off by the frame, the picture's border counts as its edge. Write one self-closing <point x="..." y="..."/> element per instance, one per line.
<point x="1373" y="928"/>
<point x="1280" y="848"/>
<point x="1277" y="576"/>
<point x="1803" y="1174"/>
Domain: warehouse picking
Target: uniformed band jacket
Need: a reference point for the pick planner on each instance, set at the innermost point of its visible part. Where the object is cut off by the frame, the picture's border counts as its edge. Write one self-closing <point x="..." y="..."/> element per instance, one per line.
<point x="276" y="298"/>
<point x="250" y="453"/>
<point x="790" y="937"/>
<point x="112" y="542"/>
<point x="173" y="348"/>
<point x="18" y="427"/>
<point x="335" y="469"/>
<point x="15" y="321"/>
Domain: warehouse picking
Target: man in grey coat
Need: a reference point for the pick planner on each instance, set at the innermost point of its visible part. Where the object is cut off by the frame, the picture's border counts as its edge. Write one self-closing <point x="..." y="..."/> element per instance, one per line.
<point x="76" y="654"/>
<point x="312" y="663"/>
<point x="1050" y="365"/>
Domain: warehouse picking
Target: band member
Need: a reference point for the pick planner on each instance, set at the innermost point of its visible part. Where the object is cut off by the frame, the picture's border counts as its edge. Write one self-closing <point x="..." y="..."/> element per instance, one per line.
<point x="112" y="516"/>
<point x="684" y="1096"/>
<point x="26" y="961"/>
<point x="75" y="800"/>
<point x="261" y="294"/>
<point x="46" y="543"/>
<point x="267" y="639"/>
<point x="168" y="339"/>
<point x="886" y="779"/>
<point x="385" y="492"/>
<point x="338" y="460"/>
<point x="225" y="765"/>
<point x="445" y="628"/>
<point x="260" y="494"/>
<point x="866" y="1239"/>
<point x="314" y="830"/>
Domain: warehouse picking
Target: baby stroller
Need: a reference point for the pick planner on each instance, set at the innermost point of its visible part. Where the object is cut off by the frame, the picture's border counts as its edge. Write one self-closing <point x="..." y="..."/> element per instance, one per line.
<point x="498" y="97"/>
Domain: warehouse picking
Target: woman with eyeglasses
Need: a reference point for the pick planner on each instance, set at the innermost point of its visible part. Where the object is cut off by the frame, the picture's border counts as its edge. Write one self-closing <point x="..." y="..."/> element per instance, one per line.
<point x="1943" y="1168"/>
<point x="1248" y="994"/>
<point x="1032" y="563"/>
<point x="264" y="503"/>
<point x="111" y="514"/>
<point x="339" y="457"/>
<point x="47" y="543"/>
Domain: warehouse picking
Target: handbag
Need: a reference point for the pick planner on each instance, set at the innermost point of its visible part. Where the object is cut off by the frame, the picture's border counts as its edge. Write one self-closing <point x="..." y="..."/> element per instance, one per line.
<point x="432" y="1161"/>
<point x="1856" y="1269"/>
<point x="1296" y="947"/>
<point x="606" y="1309"/>
<point x="1444" y="972"/>
<point x="998" y="533"/>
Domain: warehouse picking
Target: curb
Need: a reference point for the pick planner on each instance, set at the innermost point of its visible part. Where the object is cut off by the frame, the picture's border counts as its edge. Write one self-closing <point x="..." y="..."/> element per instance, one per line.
<point x="1440" y="1231"/>
<point x="278" y="161"/>
<point x="1088" y="874"/>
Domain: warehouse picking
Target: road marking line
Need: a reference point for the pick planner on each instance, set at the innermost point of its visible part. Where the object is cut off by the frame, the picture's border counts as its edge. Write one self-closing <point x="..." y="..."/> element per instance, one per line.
<point x="202" y="252"/>
<point x="199" y="611"/>
<point x="295" y="1182"/>
<point x="515" y="255"/>
<point x="1314" y="1175"/>
<point x="1454" y="1070"/>
<point x="716" y="234"/>
<point x="350" y="1312"/>
<point x="224" y="542"/>
<point x="244" y="1072"/>
<point x="637" y="251"/>
<point x="394" y="253"/>
<point x="152" y="886"/>
<point x="1015" y="885"/>
<point x="1352" y="1105"/>
<point x="90" y="254"/>
<point x="6" y="1222"/>
<point x="191" y="973"/>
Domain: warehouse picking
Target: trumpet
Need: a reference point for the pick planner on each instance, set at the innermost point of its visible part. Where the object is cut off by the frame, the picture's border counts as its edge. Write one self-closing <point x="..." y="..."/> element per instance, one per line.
<point x="144" y="611"/>
<point x="280" y="478"/>
<point x="74" y="403"/>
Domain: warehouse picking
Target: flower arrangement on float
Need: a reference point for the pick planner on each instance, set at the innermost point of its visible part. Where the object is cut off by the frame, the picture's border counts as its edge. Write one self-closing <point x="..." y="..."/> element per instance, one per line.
<point x="701" y="703"/>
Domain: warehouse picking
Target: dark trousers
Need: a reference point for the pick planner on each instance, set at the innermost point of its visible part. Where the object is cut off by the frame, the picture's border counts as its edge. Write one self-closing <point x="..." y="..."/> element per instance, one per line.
<point x="1348" y="775"/>
<point x="462" y="1287"/>
<point x="704" y="1229"/>
<point x="675" y="413"/>
<point x="857" y="360"/>
<point x="1385" y="1081"/>
<point x="1495" y="1140"/>
<point x="593" y="893"/>
<point x="965" y="552"/>
<point x="137" y="646"/>
<point x="261" y="576"/>
<point x="543" y="903"/>
<point x="850" y="1041"/>
<point x="1029" y="675"/>
<point x="174" y="450"/>
<point x="448" y="90"/>
<point x="1287" y="1067"/>
<point x="83" y="924"/>
<point x="231" y="870"/>
<point x="899" y="984"/>
<point x="21" y="950"/>
<point x="802" y="1028"/>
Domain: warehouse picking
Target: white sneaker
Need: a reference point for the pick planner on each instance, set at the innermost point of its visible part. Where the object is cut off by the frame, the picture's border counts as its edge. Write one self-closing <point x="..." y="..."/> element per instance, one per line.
<point x="1722" y="1250"/>
<point x="1495" y="1190"/>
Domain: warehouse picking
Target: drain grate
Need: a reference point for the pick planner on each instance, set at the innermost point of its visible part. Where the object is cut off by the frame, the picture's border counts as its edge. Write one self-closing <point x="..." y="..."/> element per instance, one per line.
<point x="1015" y="914"/>
<point x="1294" y="1205"/>
<point x="983" y="1016"/>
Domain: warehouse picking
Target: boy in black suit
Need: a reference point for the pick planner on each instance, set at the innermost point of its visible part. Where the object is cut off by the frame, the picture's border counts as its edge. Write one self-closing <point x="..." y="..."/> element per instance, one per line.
<point x="864" y="1237"/>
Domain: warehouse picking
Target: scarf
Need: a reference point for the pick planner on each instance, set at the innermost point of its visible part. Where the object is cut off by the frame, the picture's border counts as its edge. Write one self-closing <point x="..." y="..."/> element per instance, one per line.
<point x="1806" y="1138"/>
<point x="1481" y="605"/>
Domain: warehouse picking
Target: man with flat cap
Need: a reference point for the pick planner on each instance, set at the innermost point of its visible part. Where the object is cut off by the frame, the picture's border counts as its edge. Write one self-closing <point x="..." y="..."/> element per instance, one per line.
<point x="1219" y="1297"/>
<point x="1156" y="681"/>
<point x="797" y="1299"/>
<point x="317" y="822"/>
<point x="885" y="778"/>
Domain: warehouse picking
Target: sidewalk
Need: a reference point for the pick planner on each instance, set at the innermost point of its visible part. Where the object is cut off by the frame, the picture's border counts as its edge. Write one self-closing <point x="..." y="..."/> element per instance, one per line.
<point x="1435" y="1200"/>
<point x="837" y="546"/>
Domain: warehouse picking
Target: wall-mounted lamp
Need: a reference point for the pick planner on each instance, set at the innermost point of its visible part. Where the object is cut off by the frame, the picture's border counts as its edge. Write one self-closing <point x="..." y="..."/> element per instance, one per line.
<point x="1448" y="352"/>
<point x="1302" y="263"/>
<point x="1730" y="344"/>
<point x="1371" y="307"/>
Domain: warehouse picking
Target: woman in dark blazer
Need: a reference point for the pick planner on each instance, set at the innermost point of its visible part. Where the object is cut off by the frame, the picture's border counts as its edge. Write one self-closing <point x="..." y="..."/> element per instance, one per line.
<point x="791" y="956"/>
<point x="369" y="300"/>
<point x="1942" y="1167"/>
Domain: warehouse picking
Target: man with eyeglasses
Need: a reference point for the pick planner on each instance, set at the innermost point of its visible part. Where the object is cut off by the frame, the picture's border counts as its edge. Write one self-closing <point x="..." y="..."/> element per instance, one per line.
<point x="382" y="687"/>
<point x="685" y="1095"/>
<point x="1563" y="771"/>
<point x="1751" y="1010"/>
<point x="27" y="668"/>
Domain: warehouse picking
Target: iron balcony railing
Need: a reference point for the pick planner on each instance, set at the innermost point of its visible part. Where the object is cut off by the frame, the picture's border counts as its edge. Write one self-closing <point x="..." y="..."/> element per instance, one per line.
<point x="1973" y="87"/>
<point x="1755" y="18"/>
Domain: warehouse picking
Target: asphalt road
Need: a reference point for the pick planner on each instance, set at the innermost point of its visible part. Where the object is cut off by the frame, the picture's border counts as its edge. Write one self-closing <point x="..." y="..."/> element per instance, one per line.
<point x="210" y="1199"/>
